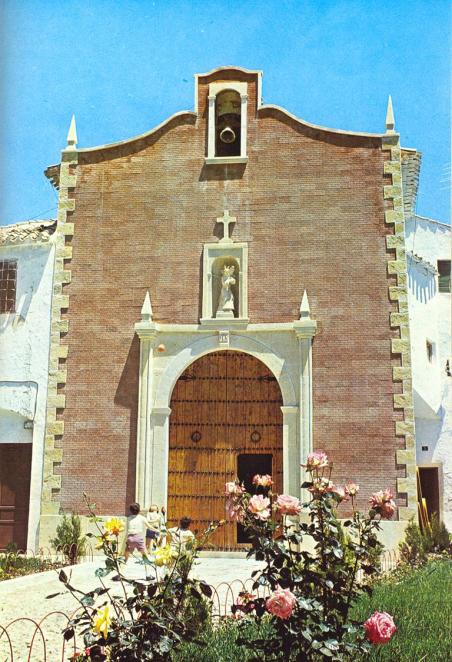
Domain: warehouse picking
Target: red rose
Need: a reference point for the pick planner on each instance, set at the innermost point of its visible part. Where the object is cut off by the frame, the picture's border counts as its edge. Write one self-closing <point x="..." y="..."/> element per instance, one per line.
<point x="379" y="627"/>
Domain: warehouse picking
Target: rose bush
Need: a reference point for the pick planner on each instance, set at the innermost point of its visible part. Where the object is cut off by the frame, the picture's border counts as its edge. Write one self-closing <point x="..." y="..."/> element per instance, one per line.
<point x="311" y="592"/>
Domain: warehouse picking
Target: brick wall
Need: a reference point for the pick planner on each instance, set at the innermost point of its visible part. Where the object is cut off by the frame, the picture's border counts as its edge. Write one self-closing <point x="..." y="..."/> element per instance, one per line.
<point x="310" y="204"/>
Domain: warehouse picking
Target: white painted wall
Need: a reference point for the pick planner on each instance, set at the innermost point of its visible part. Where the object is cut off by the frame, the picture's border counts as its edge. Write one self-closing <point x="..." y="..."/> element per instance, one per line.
<point x="430" y="317"/>
<point x="24" y="355"/>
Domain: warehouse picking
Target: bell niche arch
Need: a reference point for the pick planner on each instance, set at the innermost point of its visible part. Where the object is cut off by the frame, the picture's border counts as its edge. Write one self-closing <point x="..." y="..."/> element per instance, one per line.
<point x="227" y="123"/>
<point x="226" y="421"/>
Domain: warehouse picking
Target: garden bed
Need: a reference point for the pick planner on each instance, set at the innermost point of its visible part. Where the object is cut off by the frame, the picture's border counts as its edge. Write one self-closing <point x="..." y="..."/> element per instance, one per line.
<point x="18" y="565"/>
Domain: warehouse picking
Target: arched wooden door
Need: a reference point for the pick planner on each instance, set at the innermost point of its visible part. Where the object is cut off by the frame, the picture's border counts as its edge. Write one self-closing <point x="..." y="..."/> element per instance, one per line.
<point x="225" y="421"/>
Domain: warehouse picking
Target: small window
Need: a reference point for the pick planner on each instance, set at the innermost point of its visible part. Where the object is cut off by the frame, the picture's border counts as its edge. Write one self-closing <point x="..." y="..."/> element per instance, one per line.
<point x="444" y="275"/>
<point x="8" y="273"/>
<point x="430" y="350"/>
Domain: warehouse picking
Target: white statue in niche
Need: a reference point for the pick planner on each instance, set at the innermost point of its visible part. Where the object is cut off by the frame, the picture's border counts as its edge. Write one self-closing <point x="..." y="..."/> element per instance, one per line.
<point x="226" y="299"/>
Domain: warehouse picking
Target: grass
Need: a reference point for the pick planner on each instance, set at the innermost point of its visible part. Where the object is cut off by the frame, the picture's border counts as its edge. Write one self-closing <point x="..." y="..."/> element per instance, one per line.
<point x="420" y="602"/>
<point x="220" y="644"/>
<point x="421" y="605"/>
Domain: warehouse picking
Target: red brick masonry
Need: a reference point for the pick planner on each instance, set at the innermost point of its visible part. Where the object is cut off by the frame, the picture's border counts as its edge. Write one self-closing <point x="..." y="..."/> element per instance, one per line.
<point x="310" y="204"/>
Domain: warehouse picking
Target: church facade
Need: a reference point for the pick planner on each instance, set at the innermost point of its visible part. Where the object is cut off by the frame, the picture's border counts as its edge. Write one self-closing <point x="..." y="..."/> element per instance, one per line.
<point x="230" y="292"/>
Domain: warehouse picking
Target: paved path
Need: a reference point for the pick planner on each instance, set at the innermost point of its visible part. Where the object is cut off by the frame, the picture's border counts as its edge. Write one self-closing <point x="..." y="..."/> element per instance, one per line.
<point x="25" y="597"/>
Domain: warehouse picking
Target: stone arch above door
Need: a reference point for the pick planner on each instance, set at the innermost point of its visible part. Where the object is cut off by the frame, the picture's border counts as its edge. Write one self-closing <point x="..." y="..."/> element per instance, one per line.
<point x="276" y="364"/>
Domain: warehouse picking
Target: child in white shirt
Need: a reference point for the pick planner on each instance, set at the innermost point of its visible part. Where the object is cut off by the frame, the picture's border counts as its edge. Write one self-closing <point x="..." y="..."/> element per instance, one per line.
<point x="181" y="536"/>
<point x="136" y="530"/>
<point x="154" y="524"/>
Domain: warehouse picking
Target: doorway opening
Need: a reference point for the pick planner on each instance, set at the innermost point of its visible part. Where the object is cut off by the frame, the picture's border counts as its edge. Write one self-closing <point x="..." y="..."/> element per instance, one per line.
<point x="429" y="489"/>
<point x="226" y="423"/>
<point x="248" y="465"/>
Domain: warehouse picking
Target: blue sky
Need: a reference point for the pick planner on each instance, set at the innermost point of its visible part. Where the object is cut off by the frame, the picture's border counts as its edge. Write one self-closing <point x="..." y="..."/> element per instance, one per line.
<point x="122" y="66"/>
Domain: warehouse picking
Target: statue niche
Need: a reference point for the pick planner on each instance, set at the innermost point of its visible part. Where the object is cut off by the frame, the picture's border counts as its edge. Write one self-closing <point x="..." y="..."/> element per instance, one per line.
<point x="225" y="288"/>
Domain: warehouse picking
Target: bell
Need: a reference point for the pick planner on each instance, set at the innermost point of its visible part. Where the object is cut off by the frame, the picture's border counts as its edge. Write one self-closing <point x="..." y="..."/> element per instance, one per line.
<point x="227" y="135"/>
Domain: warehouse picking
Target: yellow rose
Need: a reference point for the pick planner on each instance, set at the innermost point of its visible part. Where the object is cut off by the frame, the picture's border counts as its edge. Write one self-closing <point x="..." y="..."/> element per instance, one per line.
<point x="102" y="540"/>
<point x="114" y="526"/>
<point x="163" y="556"/>
<point x="102" y="621"/>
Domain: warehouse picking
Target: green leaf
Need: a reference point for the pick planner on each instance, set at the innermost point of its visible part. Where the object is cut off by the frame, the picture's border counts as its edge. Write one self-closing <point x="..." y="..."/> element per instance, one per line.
<point x="102" y="572"/>
<point x="326" y="651"/>
<point x="87" y="600"/>
<point x="206" y="589"/>
<point x="165" y="644"/>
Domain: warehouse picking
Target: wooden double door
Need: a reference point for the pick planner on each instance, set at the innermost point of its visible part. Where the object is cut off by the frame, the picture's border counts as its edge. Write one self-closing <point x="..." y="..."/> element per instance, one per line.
<point x="226" y="421"/>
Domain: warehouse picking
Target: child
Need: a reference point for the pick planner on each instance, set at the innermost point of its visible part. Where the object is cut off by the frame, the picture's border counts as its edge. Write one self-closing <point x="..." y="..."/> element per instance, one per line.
<point x="136" y="530"/>
<point x="154" y="525"/>
<point x="181" y="535"/>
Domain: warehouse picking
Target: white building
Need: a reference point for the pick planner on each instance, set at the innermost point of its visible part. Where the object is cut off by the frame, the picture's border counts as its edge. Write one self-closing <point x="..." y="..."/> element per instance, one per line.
<point x="26" y="280"/>
<point x="428" y="245"/>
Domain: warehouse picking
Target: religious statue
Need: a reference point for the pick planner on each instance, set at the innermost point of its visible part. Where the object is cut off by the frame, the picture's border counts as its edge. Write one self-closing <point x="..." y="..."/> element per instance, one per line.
<point x="226" y="299"/>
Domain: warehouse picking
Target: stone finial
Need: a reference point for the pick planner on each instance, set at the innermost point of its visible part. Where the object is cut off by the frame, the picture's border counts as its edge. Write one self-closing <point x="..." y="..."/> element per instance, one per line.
<point x="390" y="123"/>
<point x="305" y="311"/>
<point x="72" y="134"/>
<point x="146" y="310"/>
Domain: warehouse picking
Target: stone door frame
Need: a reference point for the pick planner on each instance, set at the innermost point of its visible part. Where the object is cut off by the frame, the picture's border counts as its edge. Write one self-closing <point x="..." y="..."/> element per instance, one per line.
<point x="166" y="351"/>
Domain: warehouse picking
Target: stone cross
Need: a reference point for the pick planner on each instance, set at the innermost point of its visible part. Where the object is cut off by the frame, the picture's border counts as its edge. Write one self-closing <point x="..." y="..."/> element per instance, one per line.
<point x="226" y="220"/>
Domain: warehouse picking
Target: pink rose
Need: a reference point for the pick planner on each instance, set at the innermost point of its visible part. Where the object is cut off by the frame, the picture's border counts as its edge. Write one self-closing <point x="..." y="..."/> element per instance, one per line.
<point x="387" y="494"/>
<point x="262" y="481"/>
<point x="259" y="506"/>
<point x="281" y="603"/>
<point x="379" y="627"/>
<point x="341" y="493"/>
<point x="387" y="509"/>
<point x="383" y="504"/>
<point x="321" y="486"/>
<point x="351" y="488"/>
<point x="235" y="510"/>
<point x="316" y="460"/>
<point x="288" y="505"/>
<point x="233" y="488"/>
